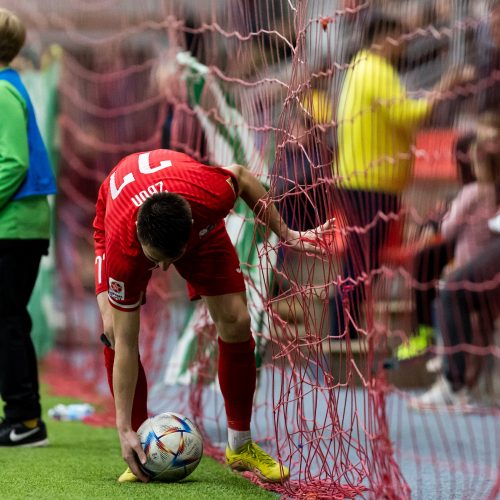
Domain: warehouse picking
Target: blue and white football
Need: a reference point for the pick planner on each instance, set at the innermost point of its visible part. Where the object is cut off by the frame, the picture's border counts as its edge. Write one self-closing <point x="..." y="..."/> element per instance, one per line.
<point x="173" y="446"/>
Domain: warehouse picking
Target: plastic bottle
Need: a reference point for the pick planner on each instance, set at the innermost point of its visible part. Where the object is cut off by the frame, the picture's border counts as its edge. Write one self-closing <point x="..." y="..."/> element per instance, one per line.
<point x="75" y="411"/>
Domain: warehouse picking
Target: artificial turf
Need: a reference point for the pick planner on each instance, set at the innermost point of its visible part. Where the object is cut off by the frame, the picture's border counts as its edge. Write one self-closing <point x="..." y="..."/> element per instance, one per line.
<point x="84" y="462"/>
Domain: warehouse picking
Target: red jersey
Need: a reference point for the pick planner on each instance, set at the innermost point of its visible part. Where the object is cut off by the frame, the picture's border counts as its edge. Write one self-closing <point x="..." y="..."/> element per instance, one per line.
<point x="121" y="266"/>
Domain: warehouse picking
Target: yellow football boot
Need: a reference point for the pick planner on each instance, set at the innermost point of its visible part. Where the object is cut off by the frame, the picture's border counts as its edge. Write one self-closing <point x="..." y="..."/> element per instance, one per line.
<point x="251" y="457"/>
<point x="128" y="477"/>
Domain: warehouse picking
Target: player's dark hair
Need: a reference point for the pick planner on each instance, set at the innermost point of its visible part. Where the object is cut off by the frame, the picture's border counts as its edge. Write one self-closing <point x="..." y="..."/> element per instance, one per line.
<point x="164" y="222"/>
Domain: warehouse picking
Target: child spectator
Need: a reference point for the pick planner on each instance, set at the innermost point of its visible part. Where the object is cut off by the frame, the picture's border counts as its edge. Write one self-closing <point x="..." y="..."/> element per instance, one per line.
<point x="25" y="181"/>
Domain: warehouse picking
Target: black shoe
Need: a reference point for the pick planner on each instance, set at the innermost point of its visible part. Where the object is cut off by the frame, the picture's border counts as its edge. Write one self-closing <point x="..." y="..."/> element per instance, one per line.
<point x="17" y="434"/>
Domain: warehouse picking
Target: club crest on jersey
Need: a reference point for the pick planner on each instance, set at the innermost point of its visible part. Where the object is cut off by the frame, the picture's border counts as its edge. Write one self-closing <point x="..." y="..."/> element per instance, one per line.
<point x="116" y="289"/>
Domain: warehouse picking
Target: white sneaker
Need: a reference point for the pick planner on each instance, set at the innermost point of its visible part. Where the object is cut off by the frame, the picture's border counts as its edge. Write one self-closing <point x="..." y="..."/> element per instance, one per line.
<point x="441" y="395"/>
<point x="494" y="224"/>
<point x="435" y="364"/>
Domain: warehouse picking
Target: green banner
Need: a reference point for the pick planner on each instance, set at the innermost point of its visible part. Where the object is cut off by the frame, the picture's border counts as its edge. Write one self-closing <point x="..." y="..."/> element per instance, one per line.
<point x="229" y="140"/>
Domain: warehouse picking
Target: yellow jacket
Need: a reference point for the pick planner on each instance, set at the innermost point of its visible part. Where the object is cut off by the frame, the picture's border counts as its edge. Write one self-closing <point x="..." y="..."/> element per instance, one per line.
<point x="377" y="122"/>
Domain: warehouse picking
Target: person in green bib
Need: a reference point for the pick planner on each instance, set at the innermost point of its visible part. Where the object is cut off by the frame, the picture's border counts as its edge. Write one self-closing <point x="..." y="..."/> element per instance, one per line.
<point x="25" y="181"/>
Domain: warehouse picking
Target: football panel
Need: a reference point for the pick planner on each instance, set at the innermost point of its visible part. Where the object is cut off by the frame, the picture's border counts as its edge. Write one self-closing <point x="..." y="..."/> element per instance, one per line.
<point x="177" y="473"/>
<point x="160" y="449"/>
<point x="173" y="446"/>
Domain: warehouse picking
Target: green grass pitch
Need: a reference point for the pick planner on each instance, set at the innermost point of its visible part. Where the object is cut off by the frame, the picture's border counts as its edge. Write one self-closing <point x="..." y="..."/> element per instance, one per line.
<point x="84" y="462"/>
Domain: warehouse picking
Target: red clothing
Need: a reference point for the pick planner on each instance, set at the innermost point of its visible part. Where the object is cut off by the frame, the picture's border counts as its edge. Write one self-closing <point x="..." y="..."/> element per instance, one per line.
<point x="122" y="268"/>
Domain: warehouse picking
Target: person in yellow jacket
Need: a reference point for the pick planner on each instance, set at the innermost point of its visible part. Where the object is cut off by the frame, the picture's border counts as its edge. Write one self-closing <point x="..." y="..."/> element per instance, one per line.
<point x="376" y="125"/>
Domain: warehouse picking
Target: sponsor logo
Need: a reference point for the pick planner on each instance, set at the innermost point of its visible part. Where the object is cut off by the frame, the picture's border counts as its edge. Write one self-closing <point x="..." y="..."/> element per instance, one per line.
<point x="116" y="289"/>
<point x="15" y="437"/>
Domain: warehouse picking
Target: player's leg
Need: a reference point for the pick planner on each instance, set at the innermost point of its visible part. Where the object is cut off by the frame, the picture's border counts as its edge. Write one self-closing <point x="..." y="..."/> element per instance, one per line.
<point x="213" y="272"/>
<point x="237" y="371"/>
<point x="237" y="378"/>
<point x="18" y="364"/>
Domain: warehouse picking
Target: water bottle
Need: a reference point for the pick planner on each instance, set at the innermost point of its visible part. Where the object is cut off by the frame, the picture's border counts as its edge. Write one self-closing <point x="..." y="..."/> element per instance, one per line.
<point x="76" y="411"/>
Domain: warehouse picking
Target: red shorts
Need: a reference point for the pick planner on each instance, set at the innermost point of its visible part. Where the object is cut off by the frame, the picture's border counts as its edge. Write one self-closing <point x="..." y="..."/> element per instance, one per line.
<point x="212" y="267"/>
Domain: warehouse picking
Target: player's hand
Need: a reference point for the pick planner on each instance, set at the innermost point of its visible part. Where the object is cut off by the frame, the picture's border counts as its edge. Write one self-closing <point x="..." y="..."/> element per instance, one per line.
<point x="133" y="453"/>
<point x="316" y="241"/>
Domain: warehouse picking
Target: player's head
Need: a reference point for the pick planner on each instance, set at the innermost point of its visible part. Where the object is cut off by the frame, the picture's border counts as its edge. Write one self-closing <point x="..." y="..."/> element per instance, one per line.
<point x="164" y="224"/>
<point x="384" y="31"/>
<point x="12" y="36"/>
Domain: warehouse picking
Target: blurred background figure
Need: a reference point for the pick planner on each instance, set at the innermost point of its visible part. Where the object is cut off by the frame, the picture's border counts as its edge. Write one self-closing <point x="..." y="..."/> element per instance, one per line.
<point x="427" y="50"/>
<point x="377" y="122"/>
<point x="476" y="261"/>
<point x="433" y="253"/>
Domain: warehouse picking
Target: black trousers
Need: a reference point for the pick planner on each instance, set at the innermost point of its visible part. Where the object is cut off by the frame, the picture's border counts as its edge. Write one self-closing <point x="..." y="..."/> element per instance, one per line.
<point x="473" y="287"/>
<point x="362" y="252"/>
<point x="19" y="264"/>
<point x="428" y="266"/>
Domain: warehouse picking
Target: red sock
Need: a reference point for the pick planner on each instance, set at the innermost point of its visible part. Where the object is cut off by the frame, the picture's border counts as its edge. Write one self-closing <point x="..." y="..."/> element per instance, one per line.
<point x="237" y="378"/>
<point x="140" y="404"/>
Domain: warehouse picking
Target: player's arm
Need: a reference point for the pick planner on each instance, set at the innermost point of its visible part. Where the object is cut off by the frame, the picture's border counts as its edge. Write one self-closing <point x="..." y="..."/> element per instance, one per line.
<point x="125" y="371"/>
<point x="254" y="195"/>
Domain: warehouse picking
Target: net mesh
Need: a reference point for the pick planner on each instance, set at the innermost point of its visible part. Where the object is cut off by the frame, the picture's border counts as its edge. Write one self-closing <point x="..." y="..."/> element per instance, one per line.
<point x="268" y="84"/>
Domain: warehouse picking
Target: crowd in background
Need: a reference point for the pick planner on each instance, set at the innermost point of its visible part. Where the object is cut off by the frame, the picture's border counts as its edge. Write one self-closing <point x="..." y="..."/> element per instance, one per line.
<point x="409" y="52"/>
<point x="402" y="77"/>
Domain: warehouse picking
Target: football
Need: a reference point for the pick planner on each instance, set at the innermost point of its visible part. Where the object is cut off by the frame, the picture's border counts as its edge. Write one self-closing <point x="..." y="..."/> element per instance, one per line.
<point x="173" y="446"/>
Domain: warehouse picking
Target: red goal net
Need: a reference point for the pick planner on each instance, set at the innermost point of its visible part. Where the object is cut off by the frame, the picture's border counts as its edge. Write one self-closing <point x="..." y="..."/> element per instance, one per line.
<point x="348" y="343"/>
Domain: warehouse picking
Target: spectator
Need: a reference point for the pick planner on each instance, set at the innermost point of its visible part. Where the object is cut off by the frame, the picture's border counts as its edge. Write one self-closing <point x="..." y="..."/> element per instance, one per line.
<point x="477" y="260"/>
<point x="299" y="190"/>
<point x="25" y="181"/>
<point x="466" y="220"/>
<point x="301" y="196"/>
<point x="429" y="262"/>
<point x="457" y="303"/>
<point x="377" y="122"/>
<point x="427" y="54"/>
